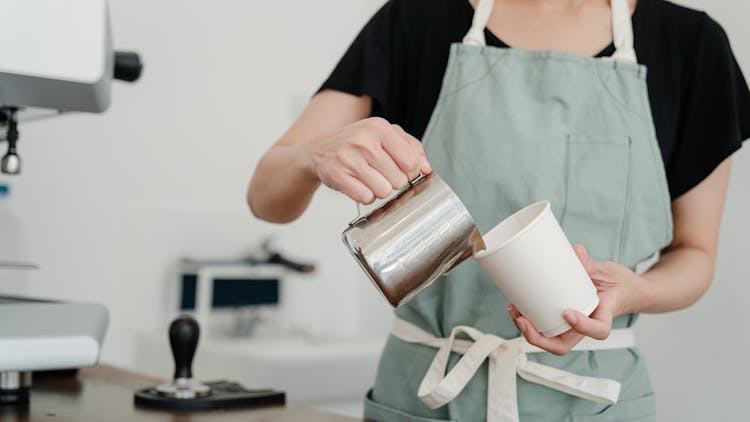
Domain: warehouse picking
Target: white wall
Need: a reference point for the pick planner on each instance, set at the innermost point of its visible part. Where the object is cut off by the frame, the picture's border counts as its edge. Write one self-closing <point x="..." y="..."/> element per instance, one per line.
<point x="107" y="202"/>
<point x="699" y="357"/>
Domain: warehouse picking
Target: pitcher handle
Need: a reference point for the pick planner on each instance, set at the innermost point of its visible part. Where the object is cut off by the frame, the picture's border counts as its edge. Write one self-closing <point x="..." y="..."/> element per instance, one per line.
<point x="368" y="209"/>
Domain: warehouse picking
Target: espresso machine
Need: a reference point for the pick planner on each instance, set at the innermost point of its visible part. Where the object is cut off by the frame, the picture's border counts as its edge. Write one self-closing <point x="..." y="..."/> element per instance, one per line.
<point x="56" y="57"/>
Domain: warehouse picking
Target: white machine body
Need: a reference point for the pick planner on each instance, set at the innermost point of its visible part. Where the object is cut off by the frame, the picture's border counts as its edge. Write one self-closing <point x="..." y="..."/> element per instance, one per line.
<point x="55" y="54"/>
<point x="37" y="336"/>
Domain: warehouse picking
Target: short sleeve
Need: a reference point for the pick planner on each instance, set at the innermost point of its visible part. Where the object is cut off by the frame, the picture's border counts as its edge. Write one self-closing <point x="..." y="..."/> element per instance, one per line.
<point x="365" y="67"/>
<point x="714" y="117"/>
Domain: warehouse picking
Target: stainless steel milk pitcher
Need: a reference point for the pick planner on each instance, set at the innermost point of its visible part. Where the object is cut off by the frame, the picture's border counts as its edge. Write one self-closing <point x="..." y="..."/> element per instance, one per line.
<point x="406" y="243"/>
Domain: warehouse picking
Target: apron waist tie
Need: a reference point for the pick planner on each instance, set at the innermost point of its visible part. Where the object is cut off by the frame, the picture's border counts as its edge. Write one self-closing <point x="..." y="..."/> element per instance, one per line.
<point x="506" y="359"/>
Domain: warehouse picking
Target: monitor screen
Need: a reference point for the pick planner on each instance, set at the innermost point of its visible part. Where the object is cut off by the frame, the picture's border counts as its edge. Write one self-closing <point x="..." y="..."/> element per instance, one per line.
<point x="232" y="292"/>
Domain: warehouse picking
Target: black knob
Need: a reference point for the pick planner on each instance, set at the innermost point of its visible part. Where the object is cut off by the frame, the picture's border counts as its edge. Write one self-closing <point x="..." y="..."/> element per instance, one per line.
<point x="183" y="337"/>
<point x="127" y="66"/>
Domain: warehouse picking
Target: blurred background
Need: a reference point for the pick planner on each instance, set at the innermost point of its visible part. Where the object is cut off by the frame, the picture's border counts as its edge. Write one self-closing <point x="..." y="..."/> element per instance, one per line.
<point x="108" y="204"/>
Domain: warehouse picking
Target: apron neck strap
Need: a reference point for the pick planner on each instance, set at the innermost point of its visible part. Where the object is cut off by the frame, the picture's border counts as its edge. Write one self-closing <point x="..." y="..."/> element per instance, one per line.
<point x="622" y="28"/>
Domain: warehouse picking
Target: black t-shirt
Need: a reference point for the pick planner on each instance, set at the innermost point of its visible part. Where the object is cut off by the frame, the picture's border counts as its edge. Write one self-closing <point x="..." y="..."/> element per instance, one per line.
<point x="699" y="99"/>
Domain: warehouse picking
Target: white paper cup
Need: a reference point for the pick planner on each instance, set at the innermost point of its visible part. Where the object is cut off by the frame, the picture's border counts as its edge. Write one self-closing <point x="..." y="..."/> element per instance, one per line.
<point x="531" y="260"/>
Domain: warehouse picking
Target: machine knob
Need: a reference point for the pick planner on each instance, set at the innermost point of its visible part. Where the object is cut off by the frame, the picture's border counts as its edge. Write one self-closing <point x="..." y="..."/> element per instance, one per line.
<point x="127" y="66"/>
<point x="183" y="338"/>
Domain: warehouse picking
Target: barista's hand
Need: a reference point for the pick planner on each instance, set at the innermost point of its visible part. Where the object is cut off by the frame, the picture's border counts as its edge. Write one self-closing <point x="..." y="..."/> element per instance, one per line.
<point x="367" y="159"/>
<point x="619" y="290"/>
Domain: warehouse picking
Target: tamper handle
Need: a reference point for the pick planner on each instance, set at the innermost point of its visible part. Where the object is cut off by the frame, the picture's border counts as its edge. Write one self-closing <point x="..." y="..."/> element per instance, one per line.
<point x="183" y="337"/>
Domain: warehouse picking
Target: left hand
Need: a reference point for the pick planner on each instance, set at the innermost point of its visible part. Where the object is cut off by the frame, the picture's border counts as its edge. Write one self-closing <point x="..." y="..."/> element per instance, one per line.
<point x="618" y="289"/>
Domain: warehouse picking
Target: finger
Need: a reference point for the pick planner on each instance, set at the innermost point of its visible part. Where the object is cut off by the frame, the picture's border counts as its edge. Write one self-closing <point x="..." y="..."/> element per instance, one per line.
<point x="424" y="165"/>
<point x="591" y="327"/>
<point x="583" y="255"/>
<point x="354" y="163"/>
<point x="351" y="187"/>
<point x="384" y="164"/>
<point x="401" y="152"/>
<point x="568" y="339"/>
<point x="375" y="181"/>
<point x="597" y="270"/>
<point x="558" y="345"/>
<point x="513" y="312"/>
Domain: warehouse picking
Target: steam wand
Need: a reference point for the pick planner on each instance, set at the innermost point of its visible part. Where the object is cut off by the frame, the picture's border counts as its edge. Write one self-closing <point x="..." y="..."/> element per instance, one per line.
<point x="11" y="162"/>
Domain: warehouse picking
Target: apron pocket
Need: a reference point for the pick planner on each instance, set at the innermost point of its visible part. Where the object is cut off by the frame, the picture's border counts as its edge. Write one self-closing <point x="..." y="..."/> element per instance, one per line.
<point x="597" y="178"/>
<point x="377" y="412"/>
<point x="641" y="409"/>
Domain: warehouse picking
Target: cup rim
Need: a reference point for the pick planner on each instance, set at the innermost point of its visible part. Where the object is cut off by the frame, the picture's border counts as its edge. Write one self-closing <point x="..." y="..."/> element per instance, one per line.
<point x="487" y="252"/>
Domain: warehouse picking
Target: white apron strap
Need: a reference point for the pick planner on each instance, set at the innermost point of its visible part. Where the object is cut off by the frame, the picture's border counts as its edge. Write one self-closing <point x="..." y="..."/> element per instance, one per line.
<point x="482" y="14"/>
<point x="622" y="28"/>
<point x="506" y="359"/>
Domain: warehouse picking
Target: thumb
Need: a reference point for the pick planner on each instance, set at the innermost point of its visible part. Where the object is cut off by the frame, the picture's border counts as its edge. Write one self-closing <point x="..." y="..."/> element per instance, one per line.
<point x="591" y="327"/>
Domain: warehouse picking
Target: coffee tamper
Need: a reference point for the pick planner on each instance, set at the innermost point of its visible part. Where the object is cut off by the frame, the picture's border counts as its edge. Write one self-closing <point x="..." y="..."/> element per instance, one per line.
<point x="183" y="338"/>
<point x="184" y="392"/>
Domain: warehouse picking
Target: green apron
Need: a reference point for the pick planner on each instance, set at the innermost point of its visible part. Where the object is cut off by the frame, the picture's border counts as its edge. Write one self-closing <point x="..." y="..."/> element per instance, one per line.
<point x="512" y="127"/>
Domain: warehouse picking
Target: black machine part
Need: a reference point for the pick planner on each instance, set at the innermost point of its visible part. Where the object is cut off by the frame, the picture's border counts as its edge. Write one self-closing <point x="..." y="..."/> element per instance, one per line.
<point x="14" y="388"/>
<point x="269" y="256"/>
<point x="274" y="257"/>
<point x="127" y="66"/>
<point x="277" y="258"/>
<point x="186" y="393"/>
<point x="11" y="162"/>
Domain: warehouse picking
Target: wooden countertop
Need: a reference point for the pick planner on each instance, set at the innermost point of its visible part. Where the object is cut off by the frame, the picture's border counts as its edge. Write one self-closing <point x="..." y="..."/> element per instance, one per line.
<point x="104" y="393"/>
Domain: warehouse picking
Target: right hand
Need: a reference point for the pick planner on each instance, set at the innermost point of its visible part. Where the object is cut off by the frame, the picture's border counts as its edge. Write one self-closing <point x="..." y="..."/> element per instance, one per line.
<point x="367" y="159"/>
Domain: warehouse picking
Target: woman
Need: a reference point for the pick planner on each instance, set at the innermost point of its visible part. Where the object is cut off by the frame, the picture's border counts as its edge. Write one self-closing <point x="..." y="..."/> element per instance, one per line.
<point x="540" y="99"/>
